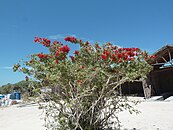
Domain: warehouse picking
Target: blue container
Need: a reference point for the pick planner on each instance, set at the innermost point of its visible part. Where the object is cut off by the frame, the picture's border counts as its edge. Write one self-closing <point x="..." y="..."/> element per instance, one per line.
<point x="2" y="96"/>
<point x="12" y="96"/>
<point x="17" y="95"/>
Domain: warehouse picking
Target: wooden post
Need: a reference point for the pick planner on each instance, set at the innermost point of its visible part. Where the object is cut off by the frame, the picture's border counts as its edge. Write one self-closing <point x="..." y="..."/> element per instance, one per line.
<point x="146" y="88"/>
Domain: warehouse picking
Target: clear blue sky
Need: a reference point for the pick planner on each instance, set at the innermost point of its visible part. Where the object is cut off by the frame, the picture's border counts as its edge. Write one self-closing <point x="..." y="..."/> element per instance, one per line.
<point x="147" y="24"/>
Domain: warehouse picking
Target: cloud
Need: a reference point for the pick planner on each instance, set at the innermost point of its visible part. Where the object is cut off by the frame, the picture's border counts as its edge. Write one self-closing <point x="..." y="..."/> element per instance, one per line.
<point x="60" y="36"/>
<point x="57" y="36"/>
<point x="7" y="67"/>
<point x="73" y="35"/>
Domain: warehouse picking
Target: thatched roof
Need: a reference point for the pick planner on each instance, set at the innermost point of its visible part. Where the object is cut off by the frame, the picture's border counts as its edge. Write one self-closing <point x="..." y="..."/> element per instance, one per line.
<point x="163" y="55"/>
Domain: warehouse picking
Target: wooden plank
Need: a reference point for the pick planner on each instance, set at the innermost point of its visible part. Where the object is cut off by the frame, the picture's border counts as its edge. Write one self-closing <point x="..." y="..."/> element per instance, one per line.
<point x="146" y="88"/>
<point x="164" y="59"/>
<point x="170" y="58"/>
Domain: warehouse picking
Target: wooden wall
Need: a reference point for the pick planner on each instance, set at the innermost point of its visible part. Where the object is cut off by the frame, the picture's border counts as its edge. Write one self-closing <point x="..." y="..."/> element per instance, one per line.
<point x="132" y="88"/>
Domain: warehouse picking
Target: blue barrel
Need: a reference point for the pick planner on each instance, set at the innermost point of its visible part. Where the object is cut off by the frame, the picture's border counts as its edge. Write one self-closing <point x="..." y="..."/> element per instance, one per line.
<point x="2" y="96"/>
<point x="17" y="95"/>
<point x="12" y="96"/>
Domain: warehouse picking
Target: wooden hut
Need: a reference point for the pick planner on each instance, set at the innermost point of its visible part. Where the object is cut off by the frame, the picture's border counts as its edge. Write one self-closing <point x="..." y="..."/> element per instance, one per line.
<point x="160" y="79"/>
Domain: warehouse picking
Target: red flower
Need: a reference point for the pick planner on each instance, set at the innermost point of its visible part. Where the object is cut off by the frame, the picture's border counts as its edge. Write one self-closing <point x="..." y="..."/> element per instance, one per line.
<point x="30" y="61"/>
<point x="127" y="49"/>
<point x="40" y="55"/>
<point x="119" y="55"/>
<point x="130" y="58"/>
<point x="57" y="61"/>
<point x="131" y="53"/>
<point x="37" y="39"/>
<point x="45" y="56"/>
<point x="136" y="54"/>
<point x="87" y="43"/>
<point x="45" y="44"/>
<point x="94" y="69"/>
<point x="50" y="56"/>
<point x="82" y="67"/>
<point x="62" y="58"/>
<point x="80" y="41"/>
<point x="79" y="81"/>
<point x="120" y="49"/>
<point x="56" y="42"/>
<point x="113" y="55"/>
<point x="104" y="57"/>
<point x="152" y="56"/>
<point x="106" y="52"/>
<point x="76" y="52"/>
<point x="72" y="58"/>
<point x="114" y="59"/>
<point x="136" y="49"/>
<point x="97" y="46"/>
<point x="57" y="54"/>
<point x="46" y="40"/>
<point x="146" y="56"/>
<point x="26" y="78"/>
<point x="70" y="39"/>
<point x="65" y="49"/>
<point x="125" y="57"/>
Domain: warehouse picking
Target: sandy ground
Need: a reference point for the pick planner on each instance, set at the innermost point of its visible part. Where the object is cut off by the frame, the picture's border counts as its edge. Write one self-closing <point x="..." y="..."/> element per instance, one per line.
<point x="154" y="116"/>
<point x="21" y="118"/>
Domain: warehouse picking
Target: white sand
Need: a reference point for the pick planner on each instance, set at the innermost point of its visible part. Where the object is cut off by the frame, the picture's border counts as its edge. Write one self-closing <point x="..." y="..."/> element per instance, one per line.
<point x="154" y="116"/>
<point x="21" y="118"/>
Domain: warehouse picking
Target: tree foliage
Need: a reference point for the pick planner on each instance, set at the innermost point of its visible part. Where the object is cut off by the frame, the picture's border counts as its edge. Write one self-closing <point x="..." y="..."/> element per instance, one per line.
<point x="21" y="86"/>
<point x="85" y="85"/>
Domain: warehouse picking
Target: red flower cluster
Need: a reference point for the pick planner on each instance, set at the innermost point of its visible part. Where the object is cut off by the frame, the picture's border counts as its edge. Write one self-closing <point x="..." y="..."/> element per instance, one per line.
<point x="152" y="56"/>
<point x="57" y="54"/>
<point x="42" y="56"/>
<point x="82" y="67"/>
<point x="87" y="43"/>
<point x="106" y="52"/>
<point x="65" y="49"/>
<point x="133" y="50"/>
<point x="56" y="42"/>
<point x="76" y="52"/>
<point x="46" y="42"/>
<point x="128" y="49"/>
<point x="121" y="54"/>
<point x="70" y="39"/>
<point x="37" y="39"/>
<point x="72" y="58"/>
<point x="56" y="61"/>
<point x="79" y="81"/>
<point x="104" y="57"/>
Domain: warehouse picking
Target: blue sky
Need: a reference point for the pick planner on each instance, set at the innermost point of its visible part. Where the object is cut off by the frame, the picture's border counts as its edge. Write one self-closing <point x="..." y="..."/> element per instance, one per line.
<point x="147" y="24"/>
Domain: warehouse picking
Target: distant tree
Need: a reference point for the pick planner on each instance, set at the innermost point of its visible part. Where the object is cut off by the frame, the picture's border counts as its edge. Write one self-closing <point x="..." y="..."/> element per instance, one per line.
<point x="21" y="86"/>
<point x="5" y="89"/>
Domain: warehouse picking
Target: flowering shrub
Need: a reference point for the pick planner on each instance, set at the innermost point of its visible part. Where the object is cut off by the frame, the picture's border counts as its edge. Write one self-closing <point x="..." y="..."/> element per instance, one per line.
<point x="85" y="84"/>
